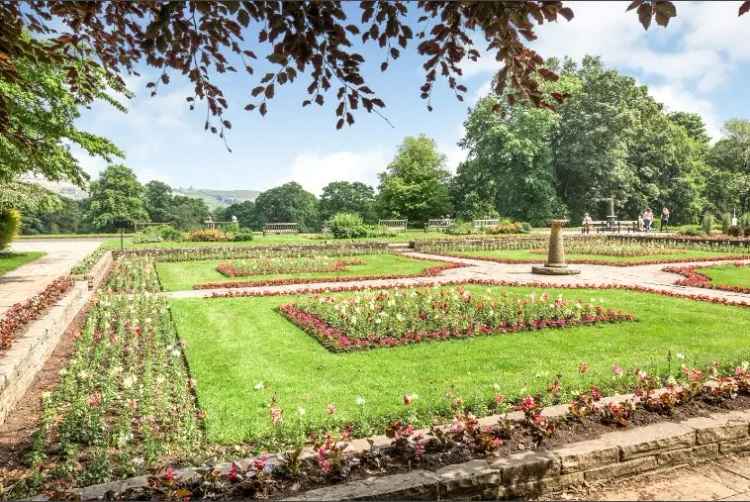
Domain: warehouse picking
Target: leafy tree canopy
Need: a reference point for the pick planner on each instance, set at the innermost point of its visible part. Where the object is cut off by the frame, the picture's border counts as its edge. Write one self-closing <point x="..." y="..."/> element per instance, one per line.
<point x="203" y="40"/>
<point x="244" y="212"/>
<point x="158" y="200"/>
<point x="347" y="197"/>
<point x="415" y="186"/>
<point x="116" y="200"/>
<point x="288" y="203"/>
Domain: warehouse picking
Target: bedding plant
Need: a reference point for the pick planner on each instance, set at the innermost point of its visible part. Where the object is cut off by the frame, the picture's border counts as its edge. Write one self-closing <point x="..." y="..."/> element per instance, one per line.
<point x="388" y="318"/>
<point x="285" y="265"/>
<point x="734" y="277"/>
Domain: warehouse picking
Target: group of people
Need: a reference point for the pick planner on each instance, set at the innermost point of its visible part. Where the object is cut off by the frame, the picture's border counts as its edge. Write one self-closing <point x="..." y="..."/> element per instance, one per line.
<point x="645" y="221"/>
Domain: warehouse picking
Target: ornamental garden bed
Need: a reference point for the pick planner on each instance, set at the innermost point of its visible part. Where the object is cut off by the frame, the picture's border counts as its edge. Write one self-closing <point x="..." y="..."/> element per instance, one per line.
<point x="733" y="277"/>
<point x="388" y="318"/>
<point x="180" y="276"/>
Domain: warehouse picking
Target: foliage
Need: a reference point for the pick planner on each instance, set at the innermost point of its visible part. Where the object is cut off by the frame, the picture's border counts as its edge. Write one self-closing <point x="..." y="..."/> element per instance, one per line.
<point x="351" y="226"/>
<point x="157" y="199"/>
<point x="65" y="216"/>
<point x="390" y="318"/>
<point x="347" y="197"/>
<point x="728" y="181"/>
<point x="244" y="212"/>
<point x="116" y="200"/>
<point x="134" y="275"/>
<point x="207" y="235"/>
<point x="10" y="224"/>
<point x="243" y="235"/>
<point x="288" y="203"/>
<point x="39" y="108"/>
<point x="707" y="223"/>
<point x="415" y="184"/>
<point x="285" y="265"/>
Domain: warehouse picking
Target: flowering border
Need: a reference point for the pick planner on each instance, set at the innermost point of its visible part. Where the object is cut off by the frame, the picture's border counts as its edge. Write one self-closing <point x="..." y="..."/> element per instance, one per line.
<point x="336" y="340"/>
<point x="695" y="279"/>
<point x="22" y="313"/>
<point x="229" y="269"/>
<point x="428" y="272"/>
<point x="608" y="263"/>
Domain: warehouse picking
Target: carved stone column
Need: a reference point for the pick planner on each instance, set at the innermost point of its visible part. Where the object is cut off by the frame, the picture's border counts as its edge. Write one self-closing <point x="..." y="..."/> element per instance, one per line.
<point x="555" y="264"/>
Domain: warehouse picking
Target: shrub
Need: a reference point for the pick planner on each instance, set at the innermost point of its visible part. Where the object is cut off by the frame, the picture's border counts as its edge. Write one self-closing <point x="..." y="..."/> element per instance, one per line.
<point x="689" y="230"/>
<point x="10" y="223"/>
<point x="745" y="224"/>
<point x="734" y="231"/>
<point x="207" y="235"/>
<point x="243" y="235"/>
<point x="461" y="228"/>
<point x="170" y="234"/>
<point x="504" y="227"/>
<point x="707" y="224"/>
<point x="350" y="226"/>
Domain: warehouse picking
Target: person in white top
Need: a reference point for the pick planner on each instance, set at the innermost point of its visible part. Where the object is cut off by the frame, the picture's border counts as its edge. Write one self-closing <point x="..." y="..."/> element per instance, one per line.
<point x="587" y="223"/>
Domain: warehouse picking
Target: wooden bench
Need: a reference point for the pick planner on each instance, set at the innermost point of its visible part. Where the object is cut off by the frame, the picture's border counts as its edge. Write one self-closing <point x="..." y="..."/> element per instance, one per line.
<point x="439" y="224"/>
<point x="280" y="228"/>
<point x="394" y="225"/>
<point x="480" y="224"/>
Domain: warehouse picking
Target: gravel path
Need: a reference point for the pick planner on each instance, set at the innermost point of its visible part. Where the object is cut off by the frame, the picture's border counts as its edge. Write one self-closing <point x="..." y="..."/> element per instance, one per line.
<point x="30" y="279"/>
<point x="648" y="276"/>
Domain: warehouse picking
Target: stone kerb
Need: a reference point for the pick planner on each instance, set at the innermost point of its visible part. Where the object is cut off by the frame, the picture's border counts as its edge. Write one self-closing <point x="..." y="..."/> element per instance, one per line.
<point x="99" y="271"/>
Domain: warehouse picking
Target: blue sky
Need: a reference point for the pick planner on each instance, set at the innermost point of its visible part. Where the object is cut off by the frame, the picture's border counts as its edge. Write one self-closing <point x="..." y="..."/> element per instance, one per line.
<point x="701" y="63"/>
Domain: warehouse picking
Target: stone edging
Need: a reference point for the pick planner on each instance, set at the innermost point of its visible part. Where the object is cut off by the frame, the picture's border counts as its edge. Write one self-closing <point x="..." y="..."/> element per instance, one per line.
<point x="20" y="364"/>
<point x="613" y="455"/>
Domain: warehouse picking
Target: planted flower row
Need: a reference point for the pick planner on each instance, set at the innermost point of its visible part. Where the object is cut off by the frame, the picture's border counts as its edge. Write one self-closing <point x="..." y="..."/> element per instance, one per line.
<point x="328" y="458"/>
<point x="389" y="318"/>
<point x="695" y="279"/>
<point x="428" y="272"/>
<point x="239" y="252"/>
<point x="21" y="314"/>
<point x="84" y="266"/>
<point x="285" y="265"/>
<point x="124" y="402"/>
<point x="610" y="263"/>
<point x="134" y="274"/>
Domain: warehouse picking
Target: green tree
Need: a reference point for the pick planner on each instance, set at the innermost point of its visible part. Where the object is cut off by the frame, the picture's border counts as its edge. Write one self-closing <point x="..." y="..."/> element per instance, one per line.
<point x="116" y="200"/>
<point x="244" y="212"/>
<point x="187" y="212"/>
<point x="347" y="197"/>
<point x="693" y="124"/>
<point x="158" y="201"/>
<point x="509" y="166"/>
<point x="415" y="185"/>
<point x="728" y="180"/>
<point x="63" y="218"/>
<point x="42" y="109"/>
<point x="288" y="203"/>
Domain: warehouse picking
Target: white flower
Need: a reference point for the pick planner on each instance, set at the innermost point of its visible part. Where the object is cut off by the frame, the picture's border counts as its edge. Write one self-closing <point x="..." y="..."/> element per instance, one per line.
<point x="83" y="374"/>
<point x="128" y="381"/>
<point x="360" y="401"/>
<point x="175" y="352"/>
<point x="63" y="372"/>
<point x="680" y="356"/>
<point x="301" y="411"/>
<point x="259" y="386"/>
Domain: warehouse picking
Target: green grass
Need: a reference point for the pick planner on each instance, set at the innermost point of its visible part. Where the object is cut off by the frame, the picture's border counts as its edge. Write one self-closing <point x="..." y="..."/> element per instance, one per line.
<point x="727" y="275"/>
<point x="524" y="254"/>
<point x="179" y="276"/>
<point x="234" y="344"/>
<point x="11" y="261"/>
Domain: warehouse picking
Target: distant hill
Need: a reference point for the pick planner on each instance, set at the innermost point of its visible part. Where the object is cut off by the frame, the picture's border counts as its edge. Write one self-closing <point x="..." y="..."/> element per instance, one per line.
<point x="218" y="198"/>
<point x="61" y="188"/>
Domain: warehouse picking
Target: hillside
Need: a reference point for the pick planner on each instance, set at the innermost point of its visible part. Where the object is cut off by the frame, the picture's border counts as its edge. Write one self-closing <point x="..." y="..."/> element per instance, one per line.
<point x="218" y="198"/>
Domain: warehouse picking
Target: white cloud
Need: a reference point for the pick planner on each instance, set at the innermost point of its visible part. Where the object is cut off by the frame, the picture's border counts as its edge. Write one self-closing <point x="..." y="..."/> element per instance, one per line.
<point x="677" y="98"/>
<point x="314" y="170"/>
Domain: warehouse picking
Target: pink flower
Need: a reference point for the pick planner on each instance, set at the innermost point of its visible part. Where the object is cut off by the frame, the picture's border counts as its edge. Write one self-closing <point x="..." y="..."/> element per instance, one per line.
<point x="617" y="370"/>
<point x="499" y="398"/>
<point x="260" y="462"/>
<point x="233" y="473"/>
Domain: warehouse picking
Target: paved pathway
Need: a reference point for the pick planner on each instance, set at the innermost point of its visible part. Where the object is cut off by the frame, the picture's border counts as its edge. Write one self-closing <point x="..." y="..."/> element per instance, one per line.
<point x="649" y="276"/>
<point x="727" y="479"/>
<point x="30" y="279"/>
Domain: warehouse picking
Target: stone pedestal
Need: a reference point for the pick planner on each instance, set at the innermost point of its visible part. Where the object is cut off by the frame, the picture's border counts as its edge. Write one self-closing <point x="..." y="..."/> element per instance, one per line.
<point x="555" y="264"/>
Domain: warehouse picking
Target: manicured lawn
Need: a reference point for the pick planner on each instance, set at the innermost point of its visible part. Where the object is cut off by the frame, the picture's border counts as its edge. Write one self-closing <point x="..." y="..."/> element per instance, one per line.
<point x="233" y="345"/>
<point x="178" y="276"/>
<point x="524" y="254"/>
<point x="11" y="261"/>
<point x="727" y="275"/>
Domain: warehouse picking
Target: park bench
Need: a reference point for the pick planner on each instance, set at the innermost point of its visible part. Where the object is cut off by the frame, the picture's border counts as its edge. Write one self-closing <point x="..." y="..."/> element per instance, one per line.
<point x="394" y="225"/>
<point x="480" y="224"/>
<point x="280" y="228"/>
<point x="439" y="224"/>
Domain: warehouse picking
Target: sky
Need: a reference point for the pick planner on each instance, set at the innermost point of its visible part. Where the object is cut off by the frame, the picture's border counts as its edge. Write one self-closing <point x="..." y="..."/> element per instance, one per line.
<point x="700" y="63"/>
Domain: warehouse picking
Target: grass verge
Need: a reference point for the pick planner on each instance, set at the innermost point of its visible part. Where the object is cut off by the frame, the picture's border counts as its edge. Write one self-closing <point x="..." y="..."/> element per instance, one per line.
<point x="11" y="261"/>
<point x="524" y="256"/>
<point x="727" y="275"/>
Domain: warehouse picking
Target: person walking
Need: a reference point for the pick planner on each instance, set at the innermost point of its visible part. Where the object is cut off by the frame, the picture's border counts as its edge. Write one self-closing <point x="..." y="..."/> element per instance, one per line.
<point x="648" y="217"/>
<point x="664" y="219"/>
<point x="587" y="223"/>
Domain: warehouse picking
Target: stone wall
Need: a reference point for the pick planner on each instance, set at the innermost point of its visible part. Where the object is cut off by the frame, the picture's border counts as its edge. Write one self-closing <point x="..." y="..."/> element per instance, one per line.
<point x="20" y="364"/>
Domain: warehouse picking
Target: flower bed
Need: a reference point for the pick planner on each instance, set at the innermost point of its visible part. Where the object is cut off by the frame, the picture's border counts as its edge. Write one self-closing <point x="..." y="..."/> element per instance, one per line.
<point x="84" y="266"/>
<point x="609" y="263"/>
<point x="239" y="252"/>
<point x="285" y="265"/>
<point x="386" y="319"/>
<point x="695" y="279"/>
<point x="133" y="274"/>
<point x="19" y="315"/>
<point x="428" y="272"/>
